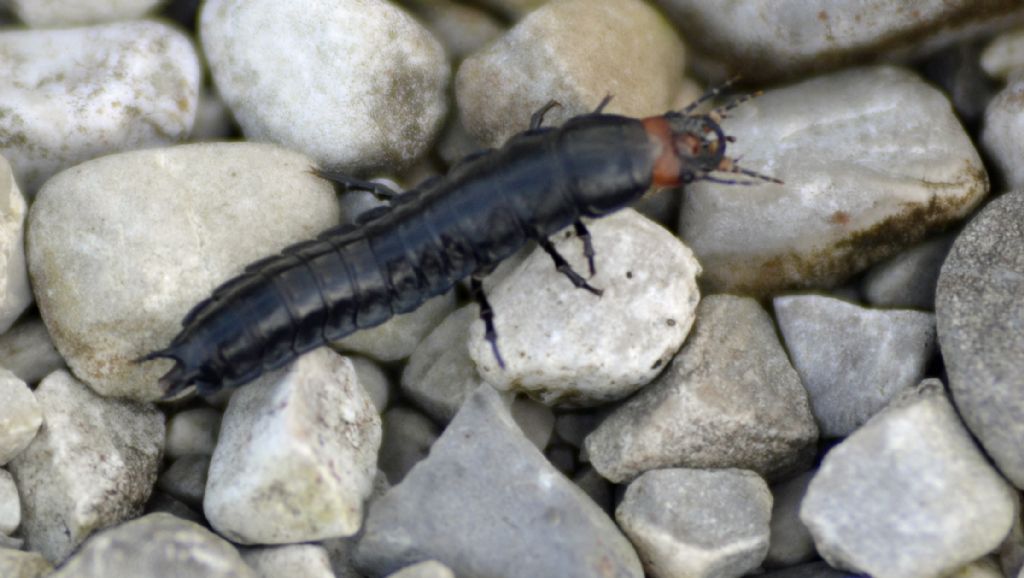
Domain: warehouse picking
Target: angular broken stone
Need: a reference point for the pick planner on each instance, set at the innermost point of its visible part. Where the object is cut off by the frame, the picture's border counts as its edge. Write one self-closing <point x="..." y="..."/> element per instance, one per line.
<point x="909" y="494"/>
<point x="485" y="502"/>
<point x="92" y="466"/>
<point x="297" y="455"/>
<point x="729" y="399"/>
<point x="853" y="359"/>
<point x="156" y="545"/>
<point x="697" y="523"/>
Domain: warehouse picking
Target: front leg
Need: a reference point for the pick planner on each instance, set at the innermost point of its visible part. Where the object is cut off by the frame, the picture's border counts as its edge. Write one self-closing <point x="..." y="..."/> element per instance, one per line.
<point x="476" y="288"/>
<point x="563" y="267"/>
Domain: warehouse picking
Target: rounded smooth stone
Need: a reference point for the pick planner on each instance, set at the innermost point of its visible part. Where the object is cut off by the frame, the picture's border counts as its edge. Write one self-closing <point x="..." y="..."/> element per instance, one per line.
<point x="192" y="432"/>
<point x="909" y="278"/>
<point x="121" y="247"/>
<point x="873" y="159"/>
<point x="298" y="560"/>
<point x="156" y="546"/>
<point x="15" y="293"/>
<point x="20" y="416"/>
<point x="406" y="439"/>
<point x="68" y="13"/>
<point x="427" y="569"/>
<point x="357" y="85"/>
<point x="797" y="35"/>
<point x="979" y="309"/>
<point x="575" y="52"/>
<point x="1003" y="58"/>
<point x="10" y="504"/>
<point x="440" y="374"/>
<point x="566" y="346"/>
<point x="462" y="29"/>
<point x="1002" y="135"/>
<point x="85" y="92"/>
<point x="27" y="351"/>
<point x="18" y="564"/>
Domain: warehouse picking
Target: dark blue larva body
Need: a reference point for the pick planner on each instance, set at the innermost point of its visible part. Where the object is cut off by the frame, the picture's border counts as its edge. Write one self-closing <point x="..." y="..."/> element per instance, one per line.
<point x="465" y="223"/>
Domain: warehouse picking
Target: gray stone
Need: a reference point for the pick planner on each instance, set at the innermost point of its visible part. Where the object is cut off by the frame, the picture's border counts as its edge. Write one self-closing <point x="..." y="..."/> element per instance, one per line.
<point x="462" y="29"/>
<point x="15" y="564"/>
<point x="791" y="543"/>
<point x="407" y="437"/>
<point x="166" y="503"/>
<point x="296" y="560"/>
<point x="795" y="37"/>
<point x="986" y="567"/>
<point x="185" y="479"/>
<point x="374" y="381"/>
<point x="846" y="205"/>
<point x="908" y="495"/>
<point x="10" y="504"/>
<point x="1003" y="58"/>
<point x="297" y="455"/>
<point x="427" y="569"/>
<point x="562" y="457"/>
<point x="156" y="546"/>
<point x="908" y="279"/>
<point x="15" y="293"/>
<point x="574" y="427"/>
<point x="565" y="346"/>
<point x="192" y="432"/>
<point x="85" y="92"/>
<point x="1001" y="133"/>
<point x="158" y="243"/>
<point x="20" y="416"/>
<point x="485" y="502"/>
<point x="1011" y="551"/>
<point x="595" y="486"/>
<point x="67" y="13"/>
<point x="535" y="419"/>
<point x="853" y="359"/>
<point x="92" y="466"/>
<point x="440" y="374"/>
<point x="697" y="523"/>
<point x="357" y="85"/>
<point x="810" y="570"/>
<point x="980" y="311"/>
<point x="730" y="398"/>
<point x="27" y="351"/>
<point x="11" y="542"/>
<point x="576" y="52"/>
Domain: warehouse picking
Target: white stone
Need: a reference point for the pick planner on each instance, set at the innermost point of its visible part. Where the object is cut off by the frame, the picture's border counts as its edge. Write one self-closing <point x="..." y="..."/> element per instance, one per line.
<point x="121" y="247"/>
<point x="81" y="93"/>
<point x="357" y="85"/>
<point x="872" y="158"/>
<point x="908" y="495"/>
<point x="15" y="294"/>
<point x="67" y="13"/>
<point x="10" y="504"/>
<point x="297" y="455"/>
<point x="20" y="416"/>
<point x="576" y="52"/>
<point x="295" y="560"/>
<point x="1001" y="135"/>
<point x="374" y="381"/>
<point x="192" y="431"/>
<point x="1003" y="58"/>
<point x="564" y="345"/>
<point x="93" y="465"/>
<point x="28" y="352"/>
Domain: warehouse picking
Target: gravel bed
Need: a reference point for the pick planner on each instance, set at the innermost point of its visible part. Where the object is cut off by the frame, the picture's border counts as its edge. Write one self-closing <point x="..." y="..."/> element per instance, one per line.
<point x="817" y="377"/>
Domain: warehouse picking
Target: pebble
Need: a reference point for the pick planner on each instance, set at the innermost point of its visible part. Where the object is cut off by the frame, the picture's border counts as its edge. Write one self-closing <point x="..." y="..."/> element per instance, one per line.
<point x="1003" y="58"/>
<point x="15" y="294"/>
<point x="1002" y="128"/>
<point x="511" y="9"/>
<point x="729" y="399"/>
<point x="1011" y="551"/>
<point x="575" y="52"/>
<point x="20" y="416"/>
<point x="848" y="200"/>
<point x="185" y="479"/>
<point x="595" y="486"/>
<point x="985" y="567"/>
<point x="81" y="93"/>
<point x="907" y="280"/>
<point x="17" y="564"/>
<point x="853" y="359"/>
<point x="374" y="381"/>
<point x="440" y="374"/>
<point x="574" y="427"/>
<point x="427" y="569"/>
<point x="121" y="247"/>
<point x="92" y="466"/>
<point x="565" y="346"/>
<point x="980" y="311"/>
<point x="485" y="502"/>
<point x="192" y="432"/>
<point x="462" y="29"/>
<point x="407" y="437"/>
<point x="156" y="546"/>
<point x="27" y="351"/>
<point x="10" y="504"/>
<point x="791" y="542"/>
<point x="297" y="455"/>
<point x="358" y="85"/>
<point x="162" y="502"/>
<point x="398" y="337"/>
<point x="913" y="463"/>
<point x="768" y="44"/>
<point x="697" y="523"/>
<point x="298" y="560"/>
<point x="69" y="13"/>
<point x="535" y="419"/>
<point x="810" y="570"/>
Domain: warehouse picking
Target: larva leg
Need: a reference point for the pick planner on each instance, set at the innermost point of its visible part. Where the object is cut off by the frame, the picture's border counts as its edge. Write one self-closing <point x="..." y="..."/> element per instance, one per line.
<point x="588" y="246"/>
<point x="476" y="288"/>
<point x="563" y="267"/>
<point x="538" y="117"/>
<point x="379" y="190"/>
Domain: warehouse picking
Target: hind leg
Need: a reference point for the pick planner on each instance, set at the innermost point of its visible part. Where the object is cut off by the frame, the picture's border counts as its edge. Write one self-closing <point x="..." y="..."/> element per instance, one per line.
<point x="379" y="190"/>
<point x="563" y="267"/>
<point x="476" y="288"/>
